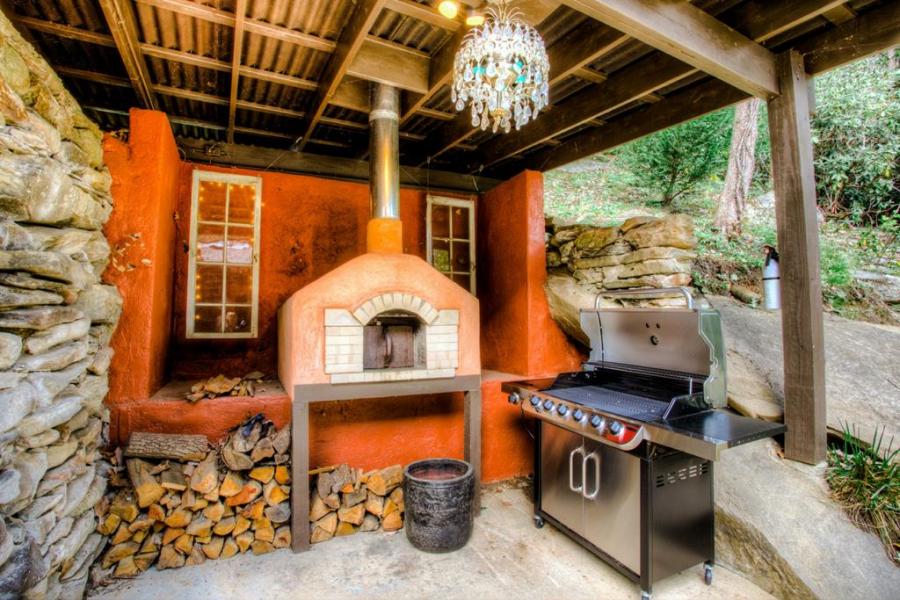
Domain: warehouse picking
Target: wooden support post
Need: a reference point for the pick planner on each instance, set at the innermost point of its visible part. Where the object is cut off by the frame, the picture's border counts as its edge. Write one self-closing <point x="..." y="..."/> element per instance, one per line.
<point x="472" y="417"/>
<point x="300" y="474"/>
<point x="798" y="240"/>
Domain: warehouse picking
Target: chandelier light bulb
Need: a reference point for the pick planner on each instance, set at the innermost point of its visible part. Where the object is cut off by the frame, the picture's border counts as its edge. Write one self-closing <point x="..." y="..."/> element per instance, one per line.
<point x="501" y="72"/>
<point x="474" y="18"/>
<point x="448" y="8"/>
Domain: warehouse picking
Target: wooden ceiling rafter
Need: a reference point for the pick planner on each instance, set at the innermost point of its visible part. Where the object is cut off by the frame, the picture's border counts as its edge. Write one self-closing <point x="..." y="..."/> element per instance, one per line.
<point x="647" y="75"/>
<point x="237" y="52"/>
<point x="424" y="13"/>
<point x="351" y="40"/>
<point x="120" y="19"/>
<point x="223" y="17"/>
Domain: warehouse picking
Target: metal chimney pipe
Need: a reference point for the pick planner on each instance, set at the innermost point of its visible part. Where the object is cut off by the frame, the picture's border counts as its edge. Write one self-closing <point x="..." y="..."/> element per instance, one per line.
<point x="384" y="151"/>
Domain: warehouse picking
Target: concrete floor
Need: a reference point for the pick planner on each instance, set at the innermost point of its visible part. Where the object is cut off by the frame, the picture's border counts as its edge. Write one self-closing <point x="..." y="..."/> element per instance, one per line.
<point x="506" y="558"/>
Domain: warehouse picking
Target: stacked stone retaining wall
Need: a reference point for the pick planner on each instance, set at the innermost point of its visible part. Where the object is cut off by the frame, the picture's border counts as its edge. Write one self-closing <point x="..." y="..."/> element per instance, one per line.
<point x="56" y="319"/>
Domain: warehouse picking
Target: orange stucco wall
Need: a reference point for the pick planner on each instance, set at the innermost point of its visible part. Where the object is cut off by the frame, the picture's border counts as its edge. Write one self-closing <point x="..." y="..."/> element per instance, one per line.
<point x="311" y="226"/>
<point x="141" y="231"/>
<point x="517" y="333"/>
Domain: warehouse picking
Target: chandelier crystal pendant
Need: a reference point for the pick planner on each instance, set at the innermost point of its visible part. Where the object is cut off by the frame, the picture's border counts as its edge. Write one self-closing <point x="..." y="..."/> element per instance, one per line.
<point x="501" y="71"/>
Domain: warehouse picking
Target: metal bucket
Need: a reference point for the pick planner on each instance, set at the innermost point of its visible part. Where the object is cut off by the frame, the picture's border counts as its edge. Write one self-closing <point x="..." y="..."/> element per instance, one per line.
<point x="438" y="494"/>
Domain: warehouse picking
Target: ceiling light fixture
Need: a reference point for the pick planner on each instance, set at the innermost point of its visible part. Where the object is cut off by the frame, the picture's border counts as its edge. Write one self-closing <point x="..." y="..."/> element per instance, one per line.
<point x="501" y="70"/>
<point x="449" y="8"/>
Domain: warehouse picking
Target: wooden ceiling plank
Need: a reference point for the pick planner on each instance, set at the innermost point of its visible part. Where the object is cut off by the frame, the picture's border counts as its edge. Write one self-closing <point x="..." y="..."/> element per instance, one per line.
<point x="423" y="12"/>
<point x="237" y="52"/>
<point x="645" y="76"/>
<point x="682" y="30"/>
<point x="94" y="76"/>
<point x="385" y="64"/>
<point x="840" y="14"/>
<point x="352" y="37"/>
<point x="352" y="94"/>
<point x="122" y="24"/>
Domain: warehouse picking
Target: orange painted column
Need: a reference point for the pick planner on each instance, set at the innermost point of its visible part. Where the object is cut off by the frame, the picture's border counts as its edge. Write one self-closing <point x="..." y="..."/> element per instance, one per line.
<point x="141" y="232"/>
<point x="518" y="335"/>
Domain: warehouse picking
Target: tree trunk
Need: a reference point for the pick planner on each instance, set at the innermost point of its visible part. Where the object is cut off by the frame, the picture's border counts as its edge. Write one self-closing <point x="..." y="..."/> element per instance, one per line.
<point x="741" y="163"/>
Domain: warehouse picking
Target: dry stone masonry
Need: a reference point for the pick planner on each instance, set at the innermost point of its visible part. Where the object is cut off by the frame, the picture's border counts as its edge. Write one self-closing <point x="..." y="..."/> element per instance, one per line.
<point x="56" y="319"/>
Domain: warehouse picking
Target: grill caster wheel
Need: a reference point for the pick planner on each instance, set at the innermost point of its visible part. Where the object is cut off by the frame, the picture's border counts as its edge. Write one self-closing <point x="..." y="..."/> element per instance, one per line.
<point x="708" y="573"/>
<point x="645" y="595"/>
<point x="538" y="522"/>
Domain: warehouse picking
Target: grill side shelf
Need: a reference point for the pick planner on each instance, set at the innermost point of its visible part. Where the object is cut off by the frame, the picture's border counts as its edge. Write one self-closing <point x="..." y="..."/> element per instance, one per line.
<point x="707" y="433"/>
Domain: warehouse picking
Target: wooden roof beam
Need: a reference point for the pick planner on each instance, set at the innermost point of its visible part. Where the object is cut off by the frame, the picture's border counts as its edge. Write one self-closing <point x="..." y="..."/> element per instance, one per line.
<point x="874" y="31"/>
<point x="352" y="37"/>
<point x="122" y="24"/>
<point x="586" y="44"/>
<point x="691" y="35"/>
<point x="67" y="31"/>
<point x="645" y="76"/>
<point x="440" y="74"/>
<point x="237" y="51"/>
<point x="393" y="66"/>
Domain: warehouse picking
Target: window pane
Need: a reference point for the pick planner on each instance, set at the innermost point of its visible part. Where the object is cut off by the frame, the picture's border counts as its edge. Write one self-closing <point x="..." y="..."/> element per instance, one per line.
<point x="460" y="218"/>
<point x="461" y="260"/>
<point x="463" y="280"/>
<point x="239" y="286"/>
<point x="440" y="221"/>
<point x="210" y="243"/>
<point x="440" y="255"/>
<point x="237" y="319"/>
<point x="208" y="319"/>
<point x="211" y="201"/>
<point x="209" y="284"/>
<point x="241" y="203"/>
<point x="239" y="249"/>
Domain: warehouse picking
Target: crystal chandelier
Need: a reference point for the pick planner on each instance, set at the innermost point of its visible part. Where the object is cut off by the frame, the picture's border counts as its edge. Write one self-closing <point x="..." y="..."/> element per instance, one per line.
<point x="501" y="71"/>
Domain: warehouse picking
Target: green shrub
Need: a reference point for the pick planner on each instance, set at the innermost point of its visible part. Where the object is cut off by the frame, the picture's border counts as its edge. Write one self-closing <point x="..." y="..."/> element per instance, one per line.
<point x="866" y="481"/>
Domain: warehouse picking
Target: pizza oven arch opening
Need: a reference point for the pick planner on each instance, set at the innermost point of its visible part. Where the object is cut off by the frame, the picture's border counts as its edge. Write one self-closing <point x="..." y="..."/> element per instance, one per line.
<point x="394" y="340"/>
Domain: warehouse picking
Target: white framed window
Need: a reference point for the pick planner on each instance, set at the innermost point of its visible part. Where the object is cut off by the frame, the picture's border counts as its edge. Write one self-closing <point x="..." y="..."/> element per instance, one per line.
<point x="450" y="235"/>
<point x="223" y="262"/>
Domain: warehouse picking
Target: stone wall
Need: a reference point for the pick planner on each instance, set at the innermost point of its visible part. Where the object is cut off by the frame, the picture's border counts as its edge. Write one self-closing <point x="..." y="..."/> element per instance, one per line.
<point x="642" y="252"/>
<point x="56" y="318"/>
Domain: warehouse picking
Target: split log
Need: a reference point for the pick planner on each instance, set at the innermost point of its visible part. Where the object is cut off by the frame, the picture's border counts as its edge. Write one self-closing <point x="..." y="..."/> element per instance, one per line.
<point x="262" y="450"/>
<point x="184" y="544"/>
<point x="263" y="530"/>
<point x="282" y="537"/>
<point x="126" y="568"/>
<point x="353" y="514"/>
<point x="274" y="494"/>
<point x="171" y="446"/>
<point x="383" y="481"/>
<point x="328" y="523"/>
<point x="214" y="512"/>
<point x="144" y="484"/>
<point x="169" y="558"/>
<point x="374" y="503"/>
<point x="282" y="474"/>
<point x="254" y="510"/>
<point x="231" y="485"/>
<point x="180" y="518"/>
<point x="397" y="498"/>
<point x="392" y="522"/>
<point x="244" y="540"/>
<point x="262" y="474"/>
<point x="143" y="561"/>
<point x="317" y="508"/>
<point x="236" y="461"/>
<point x="196" y="557"/>
<point x="124" y="506"/>
<point x="109" y="524"/>
<point x="225" y="526"/>
<point x="370" y="523"/>
<point x="229" y="548"/>
<point x="261" y="547"/>
<point x="201" y="527"/>
<point x="214" y="548"/>
<point x="119" y="551"/>
<point x="345" y="528"/>
<point x="280" y="513"/>
<point x="171" y="534"/>
<point x="205" y="477"/>
<point x="282" y="440"/>
<point x="250" y="491"/>
<point x="319" y="535"/>
<point x="241" y="524"/>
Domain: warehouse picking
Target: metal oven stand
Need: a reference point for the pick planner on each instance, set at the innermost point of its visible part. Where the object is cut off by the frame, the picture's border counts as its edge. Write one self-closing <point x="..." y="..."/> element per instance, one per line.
<point x="304" y="395"/>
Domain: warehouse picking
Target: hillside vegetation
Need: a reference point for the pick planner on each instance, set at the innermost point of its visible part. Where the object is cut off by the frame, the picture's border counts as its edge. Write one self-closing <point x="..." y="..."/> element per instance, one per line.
<point x="856" y="131"/>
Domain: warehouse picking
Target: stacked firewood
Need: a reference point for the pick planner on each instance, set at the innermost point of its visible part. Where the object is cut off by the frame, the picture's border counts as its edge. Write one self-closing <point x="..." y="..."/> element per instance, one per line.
<point x="218" y="386"/>
<point x="345" y="500"/>
<point x="180" y="502"/>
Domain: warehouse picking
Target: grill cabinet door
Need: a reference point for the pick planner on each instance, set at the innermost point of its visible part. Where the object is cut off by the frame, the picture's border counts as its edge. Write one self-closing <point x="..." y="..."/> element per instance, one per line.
<point x="612" y="514"/>
<point x="561" y="464"/>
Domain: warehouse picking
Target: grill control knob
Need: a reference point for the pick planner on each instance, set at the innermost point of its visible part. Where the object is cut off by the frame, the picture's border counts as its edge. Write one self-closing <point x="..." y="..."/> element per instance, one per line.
<point x="598" y="422"/>
<point x="513" y="398"/>
<point x="548" y="405"/>
<point x="615" y="428"/>
<point x="535" y="401"/>
<point x="578" y="415"/>
<point x="562" y="409"/>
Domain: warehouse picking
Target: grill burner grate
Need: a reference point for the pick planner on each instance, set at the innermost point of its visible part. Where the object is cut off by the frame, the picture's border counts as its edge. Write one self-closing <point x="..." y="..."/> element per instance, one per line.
<point x="614" y="402"/>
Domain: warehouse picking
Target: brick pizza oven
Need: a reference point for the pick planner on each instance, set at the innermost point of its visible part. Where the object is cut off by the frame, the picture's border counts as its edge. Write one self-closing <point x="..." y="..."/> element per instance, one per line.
<point x="381" y="325"/>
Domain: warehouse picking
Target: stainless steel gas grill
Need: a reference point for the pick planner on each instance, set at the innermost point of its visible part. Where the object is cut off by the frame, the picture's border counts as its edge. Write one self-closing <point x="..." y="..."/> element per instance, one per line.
<point x="625" y="447"/>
